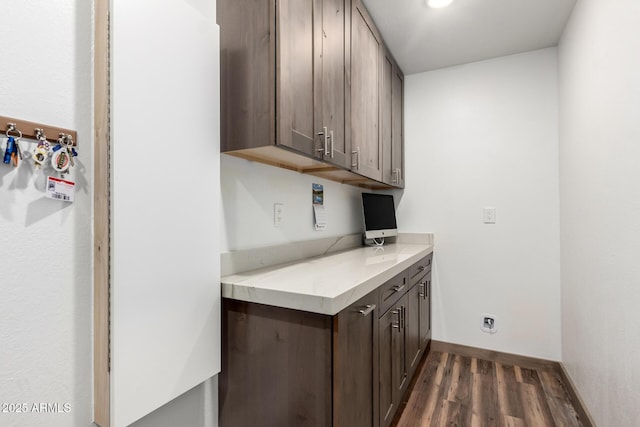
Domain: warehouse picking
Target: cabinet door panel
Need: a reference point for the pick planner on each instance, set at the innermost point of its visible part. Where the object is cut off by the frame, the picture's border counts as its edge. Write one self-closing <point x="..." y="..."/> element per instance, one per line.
<point x="355" y="331"/>
<point x="334" y="62"/>
<point x="365" y="80"/>
<point x="386" y="109"/>
<point x="389" y="326"/>
<point x="413" y="328"/>
<point x="425" y="312"/>
<point x="397" y="127"/>
<point x="399" y="365"/>
<point x="297" y="81"/>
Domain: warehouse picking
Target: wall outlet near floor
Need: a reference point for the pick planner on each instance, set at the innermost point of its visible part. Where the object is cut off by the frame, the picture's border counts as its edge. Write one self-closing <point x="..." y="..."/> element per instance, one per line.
<point x="489" y="324"/>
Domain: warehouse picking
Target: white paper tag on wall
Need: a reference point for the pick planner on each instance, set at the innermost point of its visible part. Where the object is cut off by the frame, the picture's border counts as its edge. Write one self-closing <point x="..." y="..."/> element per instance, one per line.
<point x="320" y="215"/>
<point x="61" y="189"/>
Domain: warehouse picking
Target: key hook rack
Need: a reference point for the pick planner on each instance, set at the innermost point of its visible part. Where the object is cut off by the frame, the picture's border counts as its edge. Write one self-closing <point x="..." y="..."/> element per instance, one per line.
<point x="32" y="130"/>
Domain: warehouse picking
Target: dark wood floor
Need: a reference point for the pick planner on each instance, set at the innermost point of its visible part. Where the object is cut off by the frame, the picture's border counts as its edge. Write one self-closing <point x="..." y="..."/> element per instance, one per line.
<point x="454" y="390"/>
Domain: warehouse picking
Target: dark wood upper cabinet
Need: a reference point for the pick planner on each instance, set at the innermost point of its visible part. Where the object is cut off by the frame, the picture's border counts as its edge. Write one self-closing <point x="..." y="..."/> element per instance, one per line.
<point x="392" y="119"/>
<point x="366" y="70"/>
<point x="311" y="55"/>
<point x="301" y="88"/>
<point x="297" y="83"/>
<point x="397" y="128"/>
<point x="336" y="60"/>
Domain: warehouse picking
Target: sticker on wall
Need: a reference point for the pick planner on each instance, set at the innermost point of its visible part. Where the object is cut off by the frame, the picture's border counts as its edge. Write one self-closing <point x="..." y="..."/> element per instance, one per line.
<point x="318" y="194"/>
<point x="319" y="212"/>
<point x="61" y="189"/>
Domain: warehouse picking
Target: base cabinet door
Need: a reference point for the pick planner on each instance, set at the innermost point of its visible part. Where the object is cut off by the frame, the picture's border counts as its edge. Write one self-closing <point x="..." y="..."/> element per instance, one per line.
<point x="425" y="310"/>
<point x="413" y="329"/>
<point x="393" y="373"/>
<point x="355" y="335"/>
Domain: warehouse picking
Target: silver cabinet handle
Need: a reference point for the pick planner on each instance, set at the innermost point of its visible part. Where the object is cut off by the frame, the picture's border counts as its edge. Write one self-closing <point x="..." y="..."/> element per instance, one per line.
<point x="422" y="268"/>
<point x="394" y="176"/>
<point x="424" y="286"/>
<point x="331" y="138"/>
<point x="356" y="164"/>
<point x="398" y="288"/>
<point x="398" y="324"/>
<point x="325" y="147"/>
<point x="367" y="309"/>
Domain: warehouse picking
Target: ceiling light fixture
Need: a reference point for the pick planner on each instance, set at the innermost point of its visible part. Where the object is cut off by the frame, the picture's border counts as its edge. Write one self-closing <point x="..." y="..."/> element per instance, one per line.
<point x="438" y="4"/>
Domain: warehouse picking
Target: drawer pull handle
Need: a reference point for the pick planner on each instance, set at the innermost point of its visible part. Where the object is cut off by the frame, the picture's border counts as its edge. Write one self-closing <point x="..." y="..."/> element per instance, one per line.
<point x="398" y="288"/>
<point x="367" y="310"/>
<point x="422" y="268"/>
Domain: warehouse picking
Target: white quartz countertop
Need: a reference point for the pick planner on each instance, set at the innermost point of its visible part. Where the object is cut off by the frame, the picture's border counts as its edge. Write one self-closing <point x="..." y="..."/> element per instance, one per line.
<point x="324" y="284"/>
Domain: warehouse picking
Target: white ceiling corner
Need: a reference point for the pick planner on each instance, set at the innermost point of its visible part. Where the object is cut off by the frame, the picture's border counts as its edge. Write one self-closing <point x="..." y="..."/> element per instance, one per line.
<point x="423" y="39"/>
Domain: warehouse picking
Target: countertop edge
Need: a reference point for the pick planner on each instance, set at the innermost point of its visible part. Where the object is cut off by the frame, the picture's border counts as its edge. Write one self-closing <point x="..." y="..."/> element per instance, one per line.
<point x="316" y="303"/>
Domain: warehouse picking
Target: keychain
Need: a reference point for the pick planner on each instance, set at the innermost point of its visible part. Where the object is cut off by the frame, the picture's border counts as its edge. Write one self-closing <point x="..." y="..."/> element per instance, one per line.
<point x="63" y="154"/>
<point x="41" y="152"/>
<point x="12" y="152"/>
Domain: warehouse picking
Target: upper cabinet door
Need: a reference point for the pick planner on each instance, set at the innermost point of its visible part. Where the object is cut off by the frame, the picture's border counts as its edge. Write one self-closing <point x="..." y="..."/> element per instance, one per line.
<point x="397" y="128"/>
<point x="366" y="69"/>
<point x="391" y="122"/>
<point x="298" y="54"/>
<point x="386" y="113"/>
<point x="335" y="63"/>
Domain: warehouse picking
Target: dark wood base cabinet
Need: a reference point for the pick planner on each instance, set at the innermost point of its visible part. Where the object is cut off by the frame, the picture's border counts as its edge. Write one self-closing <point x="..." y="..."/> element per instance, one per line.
<point x="284" y="367"/>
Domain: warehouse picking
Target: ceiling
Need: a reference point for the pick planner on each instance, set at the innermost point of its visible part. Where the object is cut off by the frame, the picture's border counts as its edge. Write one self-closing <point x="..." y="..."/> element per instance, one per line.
<point x="423" y="39"/>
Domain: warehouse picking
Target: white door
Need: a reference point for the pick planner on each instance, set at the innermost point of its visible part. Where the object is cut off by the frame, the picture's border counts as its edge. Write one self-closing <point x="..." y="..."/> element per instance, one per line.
<point x="165" y="292"/>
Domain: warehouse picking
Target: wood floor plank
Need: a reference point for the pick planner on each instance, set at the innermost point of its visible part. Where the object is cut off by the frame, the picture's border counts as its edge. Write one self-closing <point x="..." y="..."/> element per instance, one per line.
<point x="536" y="409"/>
<point x="443" y="390"/>
<point x="518" y="372"/>
<point x="484" y="400"/>
<point x="509" y="421"/>
<point x="508" y="396"/>
<point x="529" y="376"/>
<point x="562" y="411"/>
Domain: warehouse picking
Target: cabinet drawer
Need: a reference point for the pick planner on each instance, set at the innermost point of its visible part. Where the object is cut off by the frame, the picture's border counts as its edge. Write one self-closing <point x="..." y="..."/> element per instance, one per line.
<point x="417" y="270"/>
<point x="392" y="290"/>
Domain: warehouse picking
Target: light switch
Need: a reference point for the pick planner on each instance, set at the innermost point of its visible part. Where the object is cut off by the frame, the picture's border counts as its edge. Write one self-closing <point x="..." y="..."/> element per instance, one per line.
<point x="278" y="214"/>
<point x="489" y="215"/>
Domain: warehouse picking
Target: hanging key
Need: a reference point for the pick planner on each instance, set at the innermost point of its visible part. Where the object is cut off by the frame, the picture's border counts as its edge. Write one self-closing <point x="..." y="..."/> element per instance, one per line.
<point x="12" y="152"/>
<point x="41" y="152"/>
<point x="11" y="142"/>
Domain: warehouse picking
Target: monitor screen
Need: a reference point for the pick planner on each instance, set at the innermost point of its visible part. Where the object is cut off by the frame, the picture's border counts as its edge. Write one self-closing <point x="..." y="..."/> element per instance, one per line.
<point x="379" y="215"/>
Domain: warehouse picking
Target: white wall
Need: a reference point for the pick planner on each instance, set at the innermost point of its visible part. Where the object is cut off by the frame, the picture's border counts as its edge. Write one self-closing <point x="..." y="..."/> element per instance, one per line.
<point x="250" y="189"/>
<point x="486" y="134"/>
<point x="600" y="206"/>
<point x="46" y="245"/>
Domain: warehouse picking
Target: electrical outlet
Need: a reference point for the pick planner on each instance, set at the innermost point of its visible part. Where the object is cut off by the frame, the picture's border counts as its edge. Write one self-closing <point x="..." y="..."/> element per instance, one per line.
<point x="489" y="324"/>
<point x="278" y="214"/>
